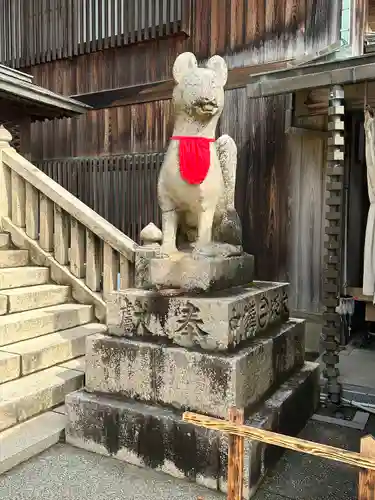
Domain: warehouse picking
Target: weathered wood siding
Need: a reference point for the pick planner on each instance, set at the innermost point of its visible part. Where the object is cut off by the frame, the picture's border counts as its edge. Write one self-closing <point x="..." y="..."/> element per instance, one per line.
<point x="279" y="188"/>
<point x="127" y="129"/>
<point x="371" y="15"/>
<point x="306" y="191"/>
<point x="39" y="31"/>
<point x="261" y="196"/>
<point x="244" y="31"/>
<point x="120" y="188"/>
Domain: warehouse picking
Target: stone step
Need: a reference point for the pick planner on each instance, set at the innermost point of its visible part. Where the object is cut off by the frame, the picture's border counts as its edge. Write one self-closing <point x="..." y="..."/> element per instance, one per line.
<point x="200" y="381"/>
<point x="4" y="240"/>
<point x="77" y="364"/>
<point x="42" y="352"/>
<point x="17" y="277"/>
<point x="13" y="258"/>
<point x="155" y="436"/>
<point x="35" y="297"/>
<point x="9" y="367"/>
<point x="28" y="396"/>
<point x="30" y="438"/>
<point x="30" y="324"/>
<point x="60" y="409"/>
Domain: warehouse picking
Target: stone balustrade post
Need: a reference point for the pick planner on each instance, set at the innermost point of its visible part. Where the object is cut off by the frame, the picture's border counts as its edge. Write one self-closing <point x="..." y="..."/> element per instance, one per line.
<point x="5" y="177"/>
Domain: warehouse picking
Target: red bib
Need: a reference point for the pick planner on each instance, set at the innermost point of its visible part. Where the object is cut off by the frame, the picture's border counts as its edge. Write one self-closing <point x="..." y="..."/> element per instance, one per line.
<point x="194" y="158"/>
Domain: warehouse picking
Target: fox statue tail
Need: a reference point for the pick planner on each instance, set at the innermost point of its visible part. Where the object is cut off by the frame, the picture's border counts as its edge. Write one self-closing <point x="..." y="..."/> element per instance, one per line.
<point x="229" y="228"/>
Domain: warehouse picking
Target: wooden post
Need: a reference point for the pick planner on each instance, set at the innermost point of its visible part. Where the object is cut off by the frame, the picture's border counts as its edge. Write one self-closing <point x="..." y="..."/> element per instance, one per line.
<point x="235" y="458"/>
<point x="366" y="488"/>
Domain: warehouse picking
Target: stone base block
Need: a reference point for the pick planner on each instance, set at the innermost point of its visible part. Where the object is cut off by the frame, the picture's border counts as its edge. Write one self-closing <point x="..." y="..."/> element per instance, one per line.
<point x="206" y="382"/>
<point x="201" y="273"/>
<point x="157" y="437"/>
<point x="215" y="321"/>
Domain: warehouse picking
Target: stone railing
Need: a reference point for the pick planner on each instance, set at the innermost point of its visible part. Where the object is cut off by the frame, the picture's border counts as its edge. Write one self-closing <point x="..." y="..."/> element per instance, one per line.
<point x="81" y="248"/>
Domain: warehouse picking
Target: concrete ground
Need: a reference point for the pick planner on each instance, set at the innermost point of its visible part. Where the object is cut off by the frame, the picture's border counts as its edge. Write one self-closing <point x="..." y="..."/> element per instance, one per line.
<point x="357" y="375"/>
<point x="71" y="474"/>
<point x="355" y="367"/>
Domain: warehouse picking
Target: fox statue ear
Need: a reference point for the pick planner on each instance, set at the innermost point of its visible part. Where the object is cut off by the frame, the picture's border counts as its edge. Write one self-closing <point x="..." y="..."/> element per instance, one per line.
<point x="220" y="68"/>
<point x="183" y="64"/>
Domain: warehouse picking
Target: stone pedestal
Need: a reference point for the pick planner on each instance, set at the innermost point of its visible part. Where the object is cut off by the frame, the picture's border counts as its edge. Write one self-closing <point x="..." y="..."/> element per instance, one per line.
<point x="218" y="320"/>
<point x="155" y="436"/>
<point x="193" y="380"/>
<point x="167" y="352"/>
<point x="201" y="273"/>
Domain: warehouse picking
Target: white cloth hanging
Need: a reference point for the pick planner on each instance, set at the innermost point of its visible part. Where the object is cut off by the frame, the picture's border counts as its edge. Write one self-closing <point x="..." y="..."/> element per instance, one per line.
<point x="369" y="254"/>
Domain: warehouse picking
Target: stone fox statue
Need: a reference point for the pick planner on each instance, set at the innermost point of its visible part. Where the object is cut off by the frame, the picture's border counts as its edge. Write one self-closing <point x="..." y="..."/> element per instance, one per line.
<point x="197" y="179"/>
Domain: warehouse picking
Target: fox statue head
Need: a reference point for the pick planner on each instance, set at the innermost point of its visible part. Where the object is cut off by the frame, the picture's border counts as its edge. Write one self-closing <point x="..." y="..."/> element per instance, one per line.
<point x="199" y="92"/>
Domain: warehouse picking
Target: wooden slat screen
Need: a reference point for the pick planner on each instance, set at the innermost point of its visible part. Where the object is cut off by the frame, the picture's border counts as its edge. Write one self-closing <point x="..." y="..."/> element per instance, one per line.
<point x="371" y="15"/>
<point x="122" y="189"/>
<point x="37" y="31"/>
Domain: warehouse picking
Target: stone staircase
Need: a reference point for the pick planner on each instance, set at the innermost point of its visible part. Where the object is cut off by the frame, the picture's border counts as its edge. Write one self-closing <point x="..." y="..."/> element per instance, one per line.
<point x="42" y="347"/>
<point x="59" y="263"/>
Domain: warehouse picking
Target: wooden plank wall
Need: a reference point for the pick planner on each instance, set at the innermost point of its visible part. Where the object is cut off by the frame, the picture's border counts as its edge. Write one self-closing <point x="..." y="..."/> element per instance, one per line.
<point x="359" y="24"/>
<point x="244" y="31"/>
<point x="257" y="126"/>
<point x="127" y="129"/>
<point x="58" y="29"/>
<point x="122" y="189"/>
<point x="371" y="15"/>
<point x="279" y="210"/>
<point x="306" y="191"/>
